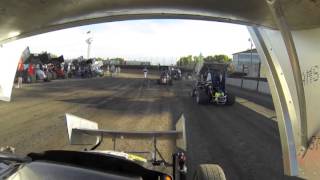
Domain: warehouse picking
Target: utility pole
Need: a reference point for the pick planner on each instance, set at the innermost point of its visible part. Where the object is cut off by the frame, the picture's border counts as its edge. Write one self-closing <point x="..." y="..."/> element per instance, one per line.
<point x="259" y="69"/>
<point x="251" y="66"/>
<point x="89" y="41"/>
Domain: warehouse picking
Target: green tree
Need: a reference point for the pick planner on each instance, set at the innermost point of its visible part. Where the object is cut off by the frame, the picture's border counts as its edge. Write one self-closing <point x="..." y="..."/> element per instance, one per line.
<point x="185" y="60"/>
<point x="198" y="59"/>
<point x="220" y="58"/>
<point x="99" y="59"/>
<point x="53" y="55"/>
<point x="117" y="60"/>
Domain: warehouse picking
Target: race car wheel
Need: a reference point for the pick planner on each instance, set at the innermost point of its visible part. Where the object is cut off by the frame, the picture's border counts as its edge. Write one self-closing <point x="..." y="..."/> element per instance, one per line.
<point x="209" y="172"/>
<point x="201" y="97"/>
<point x="230" y="99"/>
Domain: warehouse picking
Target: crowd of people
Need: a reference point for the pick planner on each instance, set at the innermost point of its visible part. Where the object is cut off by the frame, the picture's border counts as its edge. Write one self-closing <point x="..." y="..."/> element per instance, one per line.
<point x="32" y="72"/>
<point x="29" y="73"/>
<point x="113" y="70"/>
<point x="81" y="69"/>
<point x="59" y="69"/>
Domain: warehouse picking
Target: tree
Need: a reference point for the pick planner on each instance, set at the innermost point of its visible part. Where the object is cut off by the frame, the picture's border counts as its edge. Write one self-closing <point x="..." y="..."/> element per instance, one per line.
<point x="185" y="60"/>
<point x="117" y="60"/>
<point x="52" y="55"/>
<point x="220" y="58"/>
<point x="198" y="59"/>
<point x="99" y="59"/>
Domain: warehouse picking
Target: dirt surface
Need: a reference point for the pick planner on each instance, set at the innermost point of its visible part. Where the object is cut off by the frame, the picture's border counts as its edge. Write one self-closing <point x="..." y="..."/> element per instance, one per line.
<point x="243" y="141"/>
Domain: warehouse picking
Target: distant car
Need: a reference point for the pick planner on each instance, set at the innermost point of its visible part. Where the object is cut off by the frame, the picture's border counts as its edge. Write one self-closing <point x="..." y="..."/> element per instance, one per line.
<point x="165" y="78"/>
<point x="212" y="89"/>
<point x="176" y="74"/>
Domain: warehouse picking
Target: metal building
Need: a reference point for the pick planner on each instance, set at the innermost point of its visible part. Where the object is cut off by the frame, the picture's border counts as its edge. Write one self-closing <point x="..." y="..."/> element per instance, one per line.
<point x="248" y="62"/>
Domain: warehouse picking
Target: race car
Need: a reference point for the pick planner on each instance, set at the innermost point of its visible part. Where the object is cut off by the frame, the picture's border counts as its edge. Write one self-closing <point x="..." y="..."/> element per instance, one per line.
<point x="165" y="78"/>
<point x="101" y="164"/>
<point x="165" y="75"/>
<point x="176" y="74"/>
<point x="210" y="86"/>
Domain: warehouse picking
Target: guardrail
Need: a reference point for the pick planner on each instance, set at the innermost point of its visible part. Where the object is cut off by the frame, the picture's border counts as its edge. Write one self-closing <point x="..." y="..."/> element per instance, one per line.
<point x="251" y="83"/>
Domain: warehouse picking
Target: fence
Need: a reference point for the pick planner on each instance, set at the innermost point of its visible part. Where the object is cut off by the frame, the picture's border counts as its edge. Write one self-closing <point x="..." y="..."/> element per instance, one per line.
<point x="250" y="83"/>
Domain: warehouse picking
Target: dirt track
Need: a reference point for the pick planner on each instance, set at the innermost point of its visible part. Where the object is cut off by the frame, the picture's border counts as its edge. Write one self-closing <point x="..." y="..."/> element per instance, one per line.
<point x="242" y="138"/>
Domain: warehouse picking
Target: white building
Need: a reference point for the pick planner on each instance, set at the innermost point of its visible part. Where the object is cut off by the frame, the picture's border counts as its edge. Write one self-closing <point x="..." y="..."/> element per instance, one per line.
<point x="248" y="62"/>
<point x="134" y="62"/>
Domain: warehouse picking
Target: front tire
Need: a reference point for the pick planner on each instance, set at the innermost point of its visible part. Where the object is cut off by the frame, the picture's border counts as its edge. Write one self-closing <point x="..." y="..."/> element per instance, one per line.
<point x="201" y="97"/>
<point x="230" y="99"/>
<point x="209" y="172"/>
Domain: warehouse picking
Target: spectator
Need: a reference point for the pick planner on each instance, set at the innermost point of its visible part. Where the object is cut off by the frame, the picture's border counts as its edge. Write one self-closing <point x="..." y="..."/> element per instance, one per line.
<point x="117" y="70"/>
<point x="65" y="69"/>
<point x="145" y="72"/>
<point x="31" y="73"/>
<point x="69" y="70"/>
<point x="20" y="73"/>
<point x="112" y="69"/>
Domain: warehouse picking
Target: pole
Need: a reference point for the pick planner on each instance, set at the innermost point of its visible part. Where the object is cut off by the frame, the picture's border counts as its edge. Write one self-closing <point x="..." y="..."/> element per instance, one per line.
<point x="259" y="68"/>
<point x="242" y="76"/>
<point x="88" y="41"/>
<point x="251" y="50"/>
<point x="251" y="66"/>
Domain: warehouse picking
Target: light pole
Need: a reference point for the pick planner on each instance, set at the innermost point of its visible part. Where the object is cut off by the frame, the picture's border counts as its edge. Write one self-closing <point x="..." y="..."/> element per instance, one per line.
<point x="89" y="41"/>
<point x="251" y="66"/>
<point x="250" y="40"/>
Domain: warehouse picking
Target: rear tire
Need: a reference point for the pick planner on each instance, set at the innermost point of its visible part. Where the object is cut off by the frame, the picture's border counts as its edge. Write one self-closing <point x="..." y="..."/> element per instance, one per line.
<point x="209" y="172"/>
<point x="201" y="97"/>
<point x="230" y="99"/>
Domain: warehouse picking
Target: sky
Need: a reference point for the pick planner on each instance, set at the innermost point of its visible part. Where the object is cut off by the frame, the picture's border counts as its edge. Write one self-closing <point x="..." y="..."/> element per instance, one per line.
<point x="158" y="41"/>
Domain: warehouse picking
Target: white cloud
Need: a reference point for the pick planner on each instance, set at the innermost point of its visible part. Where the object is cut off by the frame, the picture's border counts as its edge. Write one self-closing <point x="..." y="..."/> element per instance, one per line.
<point x="156" y="40"/>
